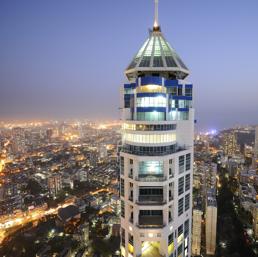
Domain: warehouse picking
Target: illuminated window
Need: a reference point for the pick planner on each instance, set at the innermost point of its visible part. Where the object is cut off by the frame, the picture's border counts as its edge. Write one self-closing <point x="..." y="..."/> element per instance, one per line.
<point x="150" y="139"/>
<point x="149" y="127"/>
<point x="174" y="103"/>
<point x="158" y="101"/>
<point x="151" y="89"/>
<point x="151" y="168"/>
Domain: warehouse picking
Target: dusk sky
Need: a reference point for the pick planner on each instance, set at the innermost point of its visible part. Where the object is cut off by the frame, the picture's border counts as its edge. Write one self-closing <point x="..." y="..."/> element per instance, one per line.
<point x="66" y="59"/>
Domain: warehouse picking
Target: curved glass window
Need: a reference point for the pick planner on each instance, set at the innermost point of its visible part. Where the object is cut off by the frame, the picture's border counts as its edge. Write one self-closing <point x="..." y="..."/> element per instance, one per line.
<point x="151" y="116"/>
<point x="158" y="101"/>
<point x="148" y="127"/>
<point x="150" y="139"/>
<point x="151" y="89"/>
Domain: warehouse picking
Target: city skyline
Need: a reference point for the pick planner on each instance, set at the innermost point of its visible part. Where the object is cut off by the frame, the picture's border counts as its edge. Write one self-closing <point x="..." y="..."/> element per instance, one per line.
<point x="52" y="55"/>
<point x="158" y="161"/>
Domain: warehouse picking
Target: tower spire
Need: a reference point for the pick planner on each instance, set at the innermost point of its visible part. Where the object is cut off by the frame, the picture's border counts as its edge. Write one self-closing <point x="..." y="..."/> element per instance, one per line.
<point x="156" y="17"/>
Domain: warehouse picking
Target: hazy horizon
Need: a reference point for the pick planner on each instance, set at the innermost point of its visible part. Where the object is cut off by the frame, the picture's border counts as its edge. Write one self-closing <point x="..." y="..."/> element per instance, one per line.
<point x="66" y="60"/>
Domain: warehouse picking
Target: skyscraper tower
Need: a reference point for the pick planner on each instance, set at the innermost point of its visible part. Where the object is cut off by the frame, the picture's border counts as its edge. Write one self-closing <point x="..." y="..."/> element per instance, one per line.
<point x="157" y="152"/>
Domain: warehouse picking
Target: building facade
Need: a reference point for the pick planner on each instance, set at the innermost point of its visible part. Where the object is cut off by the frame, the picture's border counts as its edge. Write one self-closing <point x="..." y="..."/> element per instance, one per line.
<point x="18" y="140"/>
<point x="197" y="232"/>
<point x="211" y="223"/>
<point x="255" y="158"/>
<point x="156" y="158"/>
<point x="230" y="146"/>
<point x="54" y="184"/>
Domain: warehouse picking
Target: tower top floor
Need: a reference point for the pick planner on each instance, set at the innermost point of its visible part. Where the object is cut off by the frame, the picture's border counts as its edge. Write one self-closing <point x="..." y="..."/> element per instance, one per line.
<point x="156" y="57"/>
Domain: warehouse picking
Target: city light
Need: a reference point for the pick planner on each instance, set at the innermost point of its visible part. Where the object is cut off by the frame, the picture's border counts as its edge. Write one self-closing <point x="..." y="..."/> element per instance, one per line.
<point x="174" y="173"/>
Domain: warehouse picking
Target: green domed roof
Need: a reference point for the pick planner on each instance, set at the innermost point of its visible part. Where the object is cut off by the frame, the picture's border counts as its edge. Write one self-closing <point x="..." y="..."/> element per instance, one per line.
<point x="157" y="55"/>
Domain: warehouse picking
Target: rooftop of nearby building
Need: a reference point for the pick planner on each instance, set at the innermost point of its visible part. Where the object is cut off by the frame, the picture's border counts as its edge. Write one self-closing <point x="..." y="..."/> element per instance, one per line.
<point x="68" y="212"/>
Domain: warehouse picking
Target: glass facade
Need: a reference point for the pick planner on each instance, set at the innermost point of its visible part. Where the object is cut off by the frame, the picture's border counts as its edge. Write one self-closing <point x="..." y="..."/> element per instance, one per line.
<point x="156" y="52"/>
<point x="150" y="150"/>
<point x="149" y="127"/>
<point x="151" y="116"/>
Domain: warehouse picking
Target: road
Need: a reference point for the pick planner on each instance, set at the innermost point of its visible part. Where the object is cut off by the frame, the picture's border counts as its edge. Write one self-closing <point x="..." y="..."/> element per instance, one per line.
<point x="12" y="221"/>
<point x="25" y="218"/>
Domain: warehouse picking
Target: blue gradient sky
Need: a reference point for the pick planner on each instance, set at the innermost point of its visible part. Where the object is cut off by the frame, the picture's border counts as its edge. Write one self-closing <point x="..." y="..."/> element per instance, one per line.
<point x="65" y="59"/>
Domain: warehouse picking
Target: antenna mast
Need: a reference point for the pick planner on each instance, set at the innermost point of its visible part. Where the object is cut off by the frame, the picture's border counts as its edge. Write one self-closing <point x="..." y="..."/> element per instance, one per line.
<point x="156" y="17"/>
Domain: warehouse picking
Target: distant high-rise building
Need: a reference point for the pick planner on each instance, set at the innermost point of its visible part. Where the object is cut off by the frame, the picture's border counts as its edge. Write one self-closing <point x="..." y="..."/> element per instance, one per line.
<point x="102" y="151"/>
<point x="248" y="151"/>
<point x="54" y="184"/>
<point x="196" y="232"/>
<point x="18" y="140"/>
<point x="157" y="152"/>
<point x="81" y="131"/>
<point x="49" y="134"/>
<point x="211" y="222"/>
<point x="255" y="158"/>
<point x="230" y="146"/>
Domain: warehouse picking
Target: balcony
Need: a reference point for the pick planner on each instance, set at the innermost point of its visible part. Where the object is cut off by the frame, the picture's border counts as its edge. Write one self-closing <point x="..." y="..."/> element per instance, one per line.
<point x="151" y="151"/>
<point x="151" y="200"/>
<point x="149" y="221"/>
<point x="151" y="178"/>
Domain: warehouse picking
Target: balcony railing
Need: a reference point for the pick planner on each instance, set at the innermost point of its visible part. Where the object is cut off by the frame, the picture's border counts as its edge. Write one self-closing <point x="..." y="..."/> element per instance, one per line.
<point x="152" y="151"/>
<point x="151" y="222"/>
<point x="151" y="178"/>
<point x="151" y="200"/>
